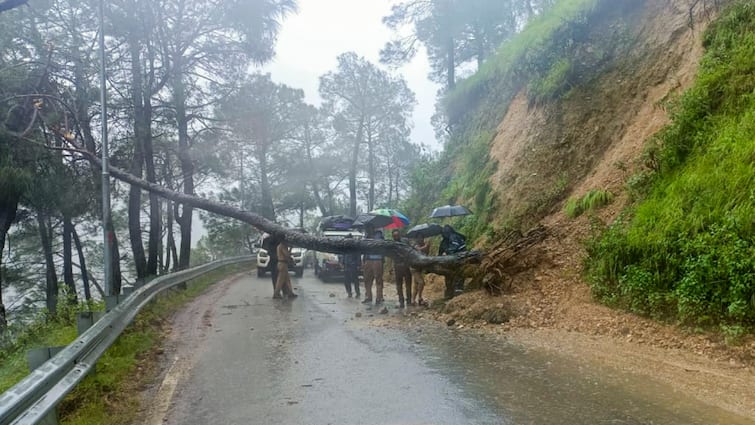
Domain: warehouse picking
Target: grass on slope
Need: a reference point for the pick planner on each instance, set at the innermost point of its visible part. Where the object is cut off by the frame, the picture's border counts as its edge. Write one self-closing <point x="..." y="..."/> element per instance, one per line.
<point x="687" y="250"/>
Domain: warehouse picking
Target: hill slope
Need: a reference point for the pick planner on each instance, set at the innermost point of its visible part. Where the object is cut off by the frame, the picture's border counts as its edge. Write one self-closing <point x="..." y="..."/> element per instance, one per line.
<point x="591" y="116"/>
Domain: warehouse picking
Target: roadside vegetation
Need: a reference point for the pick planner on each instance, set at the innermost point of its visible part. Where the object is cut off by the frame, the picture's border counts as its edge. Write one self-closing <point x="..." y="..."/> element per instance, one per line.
<point x="591" y="201"/>
<point x="685" y="250"/>
<point x="111" y="394"/>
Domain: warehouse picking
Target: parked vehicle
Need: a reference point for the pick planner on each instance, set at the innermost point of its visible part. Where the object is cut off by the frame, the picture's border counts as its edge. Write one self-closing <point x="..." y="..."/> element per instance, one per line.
<point x="263" y="259"/>
<point x="328" y="265"/>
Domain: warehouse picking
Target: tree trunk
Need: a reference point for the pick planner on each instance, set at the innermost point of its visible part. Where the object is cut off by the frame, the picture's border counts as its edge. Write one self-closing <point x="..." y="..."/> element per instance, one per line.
<point x="370" y="170"/>
<point x="68" y="260"/>
<point x="302" y="210"/>
<point x="390" y="188"/>
<point x="155" y="208"/>
<point x="170" y="245"/>
<point x="115" y="256"/>
<point x="480" y="41"/>
<point x="310" y="161"/>
<point x="397" y="185"/>
<point x="82" y="265"/>
<point x="353" y="169"/>
<point x="8" y="208"/>
<point x="184" y="218"/>
<point x="51" y="277"/>
<point x="266" y="194"/>
<point x="168" y="229"/>
<point x="137" y="160"/>
<point x="450" y="63"/>
<point x="135" y="215"/>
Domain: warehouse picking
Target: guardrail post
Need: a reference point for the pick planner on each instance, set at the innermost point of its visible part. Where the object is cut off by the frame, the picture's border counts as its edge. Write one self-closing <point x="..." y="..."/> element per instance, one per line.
<point x="36" y="358"/>
<point x="112" y="301"/>
<point x="86" y="319"/>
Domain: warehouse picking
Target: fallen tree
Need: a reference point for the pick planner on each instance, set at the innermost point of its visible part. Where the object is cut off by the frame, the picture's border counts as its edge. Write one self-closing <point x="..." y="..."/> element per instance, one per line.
<point x="504" y="260"/>
<point x="443" y="265"/>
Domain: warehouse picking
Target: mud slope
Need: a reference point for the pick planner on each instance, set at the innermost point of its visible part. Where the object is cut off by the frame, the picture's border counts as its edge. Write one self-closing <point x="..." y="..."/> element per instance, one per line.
<point x="590" y="137"/>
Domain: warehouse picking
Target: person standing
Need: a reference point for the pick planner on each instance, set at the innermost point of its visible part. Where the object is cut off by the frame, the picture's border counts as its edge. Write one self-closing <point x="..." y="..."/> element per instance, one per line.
<point x="403" y="274"/>
<point x="351" y="263"/>
<point x="284" y="279"/>
<point x="373" y="271"/>
<point x="270" y="244"/>
<point x="418" y="276"/>
<point x="453" y="242"/>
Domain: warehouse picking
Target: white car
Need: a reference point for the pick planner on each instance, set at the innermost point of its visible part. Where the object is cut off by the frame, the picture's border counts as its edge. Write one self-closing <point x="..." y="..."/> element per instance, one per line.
<point x="263" y="261"/>
<point x="330" y="265"/>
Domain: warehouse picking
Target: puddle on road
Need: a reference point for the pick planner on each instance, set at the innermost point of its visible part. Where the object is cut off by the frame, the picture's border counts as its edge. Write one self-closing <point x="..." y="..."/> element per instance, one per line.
<point x="529" y="387"/>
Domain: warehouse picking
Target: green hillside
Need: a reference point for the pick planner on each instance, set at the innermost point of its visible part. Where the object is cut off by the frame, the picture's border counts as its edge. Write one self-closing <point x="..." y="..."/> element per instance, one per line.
<point x="686" y="250"/>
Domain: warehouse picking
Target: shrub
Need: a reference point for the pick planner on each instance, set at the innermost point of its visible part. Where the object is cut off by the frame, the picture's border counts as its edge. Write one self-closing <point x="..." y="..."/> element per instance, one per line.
<point x="592" y="200"/>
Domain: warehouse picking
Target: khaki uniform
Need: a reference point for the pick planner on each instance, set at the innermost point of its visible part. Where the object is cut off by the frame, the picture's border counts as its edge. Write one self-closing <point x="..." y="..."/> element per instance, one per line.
<point x="418" y="276"/>
<point x="373" y="271"/>
<point x="284" y="280"/>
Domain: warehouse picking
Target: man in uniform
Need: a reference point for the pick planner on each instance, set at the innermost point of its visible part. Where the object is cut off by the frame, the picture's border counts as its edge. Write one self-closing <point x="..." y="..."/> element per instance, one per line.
<point x="403" y="275"/>
<point x="284" y="279"/>
<point x="351" y="271"/>
<point x="373" y="271"/>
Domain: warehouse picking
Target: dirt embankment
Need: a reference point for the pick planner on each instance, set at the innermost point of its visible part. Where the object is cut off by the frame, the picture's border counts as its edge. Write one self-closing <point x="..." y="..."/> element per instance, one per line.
<point x="594" y="139"/>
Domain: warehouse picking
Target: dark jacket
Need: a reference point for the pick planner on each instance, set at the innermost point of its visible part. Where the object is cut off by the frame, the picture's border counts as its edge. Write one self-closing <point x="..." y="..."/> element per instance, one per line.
<point x="352" y="261"/>
<point x="374" y="257"/>
<point x="453" y="242"/>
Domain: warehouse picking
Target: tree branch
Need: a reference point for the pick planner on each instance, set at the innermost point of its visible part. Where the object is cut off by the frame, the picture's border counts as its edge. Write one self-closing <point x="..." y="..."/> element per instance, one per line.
<point x="439" y="265"/>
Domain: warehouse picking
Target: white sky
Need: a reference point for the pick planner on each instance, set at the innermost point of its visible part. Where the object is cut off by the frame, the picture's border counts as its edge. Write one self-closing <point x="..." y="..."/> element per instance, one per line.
<point x="310" y="41"/>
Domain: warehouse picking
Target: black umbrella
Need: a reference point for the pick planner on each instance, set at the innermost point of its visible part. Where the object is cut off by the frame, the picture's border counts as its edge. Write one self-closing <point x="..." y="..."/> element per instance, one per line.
<point x="450" y="211"/>
<point x="375" y="221"/>
<point x="336" y="222"/>
<point x="426" y="230"/>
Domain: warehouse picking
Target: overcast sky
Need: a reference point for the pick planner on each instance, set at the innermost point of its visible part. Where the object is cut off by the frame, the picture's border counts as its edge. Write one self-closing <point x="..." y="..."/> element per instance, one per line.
<point x="310" y="41"/>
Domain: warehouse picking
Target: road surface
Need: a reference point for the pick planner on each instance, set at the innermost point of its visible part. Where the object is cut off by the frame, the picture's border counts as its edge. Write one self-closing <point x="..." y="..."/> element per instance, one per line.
<point x="236" y="356"/>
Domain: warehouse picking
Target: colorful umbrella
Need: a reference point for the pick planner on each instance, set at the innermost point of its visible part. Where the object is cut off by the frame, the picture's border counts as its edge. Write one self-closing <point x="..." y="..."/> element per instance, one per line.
<point x="398" y="220"/>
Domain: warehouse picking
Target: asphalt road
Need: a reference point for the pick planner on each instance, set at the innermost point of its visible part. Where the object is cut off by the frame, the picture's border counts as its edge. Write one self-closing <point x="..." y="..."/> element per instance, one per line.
<point x="244" y="358"/>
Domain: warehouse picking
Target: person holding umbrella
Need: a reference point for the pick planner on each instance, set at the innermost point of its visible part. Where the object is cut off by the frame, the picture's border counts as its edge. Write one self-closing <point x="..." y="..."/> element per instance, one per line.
<point x="453" y="242"/>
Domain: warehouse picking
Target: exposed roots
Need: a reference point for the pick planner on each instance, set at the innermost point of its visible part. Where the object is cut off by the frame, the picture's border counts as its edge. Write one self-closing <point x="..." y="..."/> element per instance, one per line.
<point x="503" y="260"/>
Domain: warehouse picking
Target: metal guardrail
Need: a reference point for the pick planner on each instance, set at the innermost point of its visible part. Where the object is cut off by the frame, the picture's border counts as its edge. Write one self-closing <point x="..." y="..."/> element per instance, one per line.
<point x="29" y="401"/>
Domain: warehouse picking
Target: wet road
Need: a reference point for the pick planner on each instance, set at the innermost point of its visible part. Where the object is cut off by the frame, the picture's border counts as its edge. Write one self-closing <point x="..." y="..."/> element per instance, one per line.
<point x="311" y="361"/>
